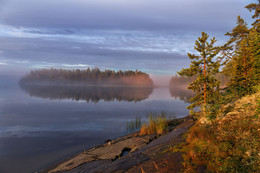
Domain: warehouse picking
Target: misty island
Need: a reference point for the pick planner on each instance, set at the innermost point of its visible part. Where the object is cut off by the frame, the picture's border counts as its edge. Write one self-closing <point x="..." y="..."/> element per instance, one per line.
<point x="88" y="77"/>
<point x="90" y="85"/>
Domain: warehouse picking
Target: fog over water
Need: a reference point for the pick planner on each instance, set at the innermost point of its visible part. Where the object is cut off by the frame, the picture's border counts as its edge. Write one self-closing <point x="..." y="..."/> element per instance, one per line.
<point x="42" y="125"/>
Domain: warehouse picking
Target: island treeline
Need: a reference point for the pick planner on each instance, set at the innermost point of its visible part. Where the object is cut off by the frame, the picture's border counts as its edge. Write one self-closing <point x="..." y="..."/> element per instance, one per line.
<point x="87" y="77"/>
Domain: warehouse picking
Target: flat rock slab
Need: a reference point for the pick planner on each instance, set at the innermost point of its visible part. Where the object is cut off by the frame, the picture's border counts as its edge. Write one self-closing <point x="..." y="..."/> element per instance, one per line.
<point x="73" y="163"/>
<point x="114" y="150"/>
<point x="111" y="150"/>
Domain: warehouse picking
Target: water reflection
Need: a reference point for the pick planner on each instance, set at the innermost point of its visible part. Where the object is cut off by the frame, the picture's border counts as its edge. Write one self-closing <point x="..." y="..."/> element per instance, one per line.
<point x="88" y="94"/>
<point x="133" y="125"/>
<point x="35" y="133"/>
<point x="181" y="93"/>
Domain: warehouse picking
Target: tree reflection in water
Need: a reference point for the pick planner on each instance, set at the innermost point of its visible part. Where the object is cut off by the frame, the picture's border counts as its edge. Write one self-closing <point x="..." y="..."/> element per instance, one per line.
<point x="88" y="93"/>
<point x="181" y="93"/>
<point x="133" y="125"/>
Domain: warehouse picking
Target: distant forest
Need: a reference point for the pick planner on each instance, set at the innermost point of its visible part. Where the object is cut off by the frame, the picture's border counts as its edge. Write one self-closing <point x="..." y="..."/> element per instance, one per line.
<point x="184" y="81"/>
<point x="87" y="77"/>
<point x="178" y="86"/>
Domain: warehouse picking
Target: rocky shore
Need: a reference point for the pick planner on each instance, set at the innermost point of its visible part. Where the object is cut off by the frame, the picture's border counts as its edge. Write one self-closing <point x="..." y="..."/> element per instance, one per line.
<point x="131" y="153"/>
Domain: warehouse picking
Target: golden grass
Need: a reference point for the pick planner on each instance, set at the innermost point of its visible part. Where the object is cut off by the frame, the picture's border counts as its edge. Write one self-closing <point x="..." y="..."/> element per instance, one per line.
<point x="157" y="124"/>
<point x="230" y="143"/>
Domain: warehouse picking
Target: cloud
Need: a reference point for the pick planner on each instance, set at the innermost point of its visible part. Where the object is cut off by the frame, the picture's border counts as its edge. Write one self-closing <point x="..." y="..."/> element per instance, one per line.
<point x="148" y="35"/>
<point x="118" y="50"/>
<point x="123" y="14"/>
<point x="64" y="66"/>
<point x="3" y="63"/>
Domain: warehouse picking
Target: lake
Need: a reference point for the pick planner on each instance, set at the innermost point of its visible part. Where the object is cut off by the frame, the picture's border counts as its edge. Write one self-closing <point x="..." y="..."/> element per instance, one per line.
<point x="45" y="124"/>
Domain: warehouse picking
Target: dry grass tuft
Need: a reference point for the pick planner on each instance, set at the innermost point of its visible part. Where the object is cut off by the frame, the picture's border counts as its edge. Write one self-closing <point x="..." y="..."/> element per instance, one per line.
<point x="157" y="124"/>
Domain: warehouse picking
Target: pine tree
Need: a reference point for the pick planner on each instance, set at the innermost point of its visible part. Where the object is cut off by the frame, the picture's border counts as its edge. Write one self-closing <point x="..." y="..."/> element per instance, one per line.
<point x="203" y="68"/>
<point x="236" y="65"/>
<point x="254" y="47"/>
<point x="246" y="66"/>
<point x="242" y="64"/>
<point x="229" y="49"/>
<point x="238" y="33"/>
<point x="256" y="8"/>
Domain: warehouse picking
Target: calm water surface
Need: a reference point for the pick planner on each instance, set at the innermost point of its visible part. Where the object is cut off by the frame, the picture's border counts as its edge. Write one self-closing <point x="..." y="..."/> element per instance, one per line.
<point x="42" y="125"/>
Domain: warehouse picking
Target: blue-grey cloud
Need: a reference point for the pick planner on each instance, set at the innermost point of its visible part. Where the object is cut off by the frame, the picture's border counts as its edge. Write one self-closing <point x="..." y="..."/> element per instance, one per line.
<point x="123" y="14"/>
<point x="148" y="35"/>
<point x="161" y="55"/>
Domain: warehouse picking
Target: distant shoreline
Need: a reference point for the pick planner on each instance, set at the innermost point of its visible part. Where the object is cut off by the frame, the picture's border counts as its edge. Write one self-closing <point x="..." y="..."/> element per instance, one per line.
<point x="81" y="84"/>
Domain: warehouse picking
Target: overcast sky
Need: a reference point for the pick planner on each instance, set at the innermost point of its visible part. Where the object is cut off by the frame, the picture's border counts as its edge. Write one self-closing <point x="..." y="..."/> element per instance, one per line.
<point x="149" y="35"/>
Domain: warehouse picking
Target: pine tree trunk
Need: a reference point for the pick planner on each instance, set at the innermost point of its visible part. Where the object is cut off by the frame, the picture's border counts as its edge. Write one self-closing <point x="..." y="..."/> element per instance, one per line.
<point x="204" y="86"/>
<point x="244" y="59"/>
<point x="245" y="64"/>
